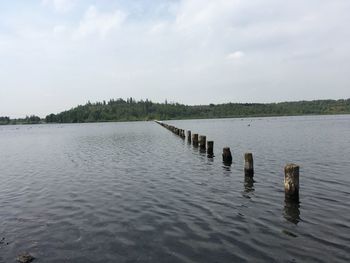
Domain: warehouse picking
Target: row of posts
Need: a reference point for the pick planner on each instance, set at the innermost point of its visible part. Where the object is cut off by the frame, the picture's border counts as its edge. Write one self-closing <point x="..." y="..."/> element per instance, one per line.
<point x="196" y="139"/>
<point x="291" y="171"/>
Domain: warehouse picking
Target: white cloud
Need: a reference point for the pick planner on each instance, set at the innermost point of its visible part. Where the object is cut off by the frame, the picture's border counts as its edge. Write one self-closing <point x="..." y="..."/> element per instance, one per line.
<point x="60" y="5"/>
<point x="194" y="14"/>
<point x="235" y="55"/>
<point x="95" y="22"/>
<point x="158" y="28"/>
<point x="276" y="48"/>
<point x="59" y="30"/>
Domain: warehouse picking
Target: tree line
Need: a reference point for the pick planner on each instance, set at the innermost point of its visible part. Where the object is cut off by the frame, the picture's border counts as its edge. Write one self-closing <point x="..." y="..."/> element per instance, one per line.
<point x="132" y="110"/>
<point x="32" y="119"/>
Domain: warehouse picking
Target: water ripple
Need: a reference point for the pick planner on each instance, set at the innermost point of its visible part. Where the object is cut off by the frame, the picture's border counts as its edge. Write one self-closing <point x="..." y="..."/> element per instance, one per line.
<point x="134" y="192"/>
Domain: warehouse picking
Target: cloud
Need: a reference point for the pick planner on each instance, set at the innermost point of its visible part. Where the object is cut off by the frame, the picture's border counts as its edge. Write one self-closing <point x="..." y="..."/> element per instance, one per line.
<point x="159" y="28"/>
<point x="235" y="55"/>
<point x="60" y="5"/>
<point x="59" y="30"/>
<point x="95" y="22"/>
<point x="281" y="50"/>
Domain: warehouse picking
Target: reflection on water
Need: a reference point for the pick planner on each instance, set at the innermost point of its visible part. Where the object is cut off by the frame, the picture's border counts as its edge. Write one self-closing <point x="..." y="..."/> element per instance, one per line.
<point x="292" y="211"/>
<point x="227" y="164"/>
<point x="248" y="187"/>
<point x="226" y="167"/>
<point x="210" y="159"/>
<point x="210" y="156"/>
<point x="227" y="170"/>
<point x="248" y="184"/>
<point x="133" y="192"/>
<point x="203" y="151"/>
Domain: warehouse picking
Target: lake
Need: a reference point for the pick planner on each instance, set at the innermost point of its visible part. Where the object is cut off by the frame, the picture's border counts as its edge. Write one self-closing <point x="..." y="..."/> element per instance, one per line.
<point x="135" y="192"/>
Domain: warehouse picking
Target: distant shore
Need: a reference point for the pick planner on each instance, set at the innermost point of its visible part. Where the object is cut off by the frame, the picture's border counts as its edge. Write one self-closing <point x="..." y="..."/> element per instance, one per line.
<point x="145" y="110"/>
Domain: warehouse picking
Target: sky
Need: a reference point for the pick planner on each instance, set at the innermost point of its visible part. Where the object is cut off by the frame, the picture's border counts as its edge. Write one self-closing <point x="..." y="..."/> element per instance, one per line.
<point x="56" y="54"/>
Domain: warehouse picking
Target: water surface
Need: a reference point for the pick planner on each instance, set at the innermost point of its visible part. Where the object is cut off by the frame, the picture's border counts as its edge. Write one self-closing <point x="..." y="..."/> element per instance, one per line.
<point x="134" y="192"/>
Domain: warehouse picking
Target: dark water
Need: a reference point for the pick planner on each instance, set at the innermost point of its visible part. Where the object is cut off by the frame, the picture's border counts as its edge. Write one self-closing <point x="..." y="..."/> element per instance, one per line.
<point x="134" y="192"/>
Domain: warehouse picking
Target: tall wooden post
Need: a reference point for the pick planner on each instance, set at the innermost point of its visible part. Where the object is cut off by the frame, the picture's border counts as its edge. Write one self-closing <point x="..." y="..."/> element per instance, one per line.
<point x="210" y="148"/>
<point x="248" y="165"/>
<point x="226" y="156"/>
<point x="202" y="141"/>
<point x="189" y="136"/>
<point x="195" y="139"/>
<point x="291" y="181"/>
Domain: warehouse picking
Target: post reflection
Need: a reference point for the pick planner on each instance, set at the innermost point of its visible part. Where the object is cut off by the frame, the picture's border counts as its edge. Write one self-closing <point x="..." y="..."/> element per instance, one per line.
<point x="227" y="168"/>
<point x="226" y="164"/>
<point x="248" y="184"/>
<point x="202" y="151"/>
<point x="291" y="210"/>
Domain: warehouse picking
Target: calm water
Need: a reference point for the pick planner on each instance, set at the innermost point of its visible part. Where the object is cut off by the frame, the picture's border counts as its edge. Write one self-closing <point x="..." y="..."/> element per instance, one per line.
<point x="134" y="192"/>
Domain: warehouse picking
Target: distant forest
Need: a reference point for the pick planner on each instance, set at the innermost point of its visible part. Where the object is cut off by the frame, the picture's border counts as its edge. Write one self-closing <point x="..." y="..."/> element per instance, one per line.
<point x="27" y="120"/>
<point x="132" y="110"/>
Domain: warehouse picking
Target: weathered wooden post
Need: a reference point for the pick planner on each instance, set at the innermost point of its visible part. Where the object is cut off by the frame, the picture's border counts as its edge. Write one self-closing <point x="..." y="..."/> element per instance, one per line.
<point x="248" y="165"/>
<point x="202" y="141"/>
<point x="189" y="136"/>
<point x="291" y="181"/>
<point x="226" y="156"/>
<point x="195" y="139"/>
<point x="210" y="148"/>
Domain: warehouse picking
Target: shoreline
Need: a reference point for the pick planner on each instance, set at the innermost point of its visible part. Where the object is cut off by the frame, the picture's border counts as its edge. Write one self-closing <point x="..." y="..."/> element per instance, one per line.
<point x="183" y="119"/>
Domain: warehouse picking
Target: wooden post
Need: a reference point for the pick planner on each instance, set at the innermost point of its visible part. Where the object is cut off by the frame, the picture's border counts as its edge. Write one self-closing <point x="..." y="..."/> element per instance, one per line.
<point x="189" y="136"/>
<point x="210" y="148"/>
<point x="291" y="181"/>
<point x="248" y="165"/>
<point x="226" y="155"/>
<point x="195" y="139"/>
<point x="202" y="141"/>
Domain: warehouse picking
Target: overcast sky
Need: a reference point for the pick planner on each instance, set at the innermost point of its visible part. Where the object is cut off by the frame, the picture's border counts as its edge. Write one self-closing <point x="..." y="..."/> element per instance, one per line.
<point x="56" y="54"/>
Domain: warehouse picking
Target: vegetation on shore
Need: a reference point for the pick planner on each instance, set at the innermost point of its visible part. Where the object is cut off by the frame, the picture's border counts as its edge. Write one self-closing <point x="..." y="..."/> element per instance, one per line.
<point x="27" y="120"/>
<point x="132" y="110"/>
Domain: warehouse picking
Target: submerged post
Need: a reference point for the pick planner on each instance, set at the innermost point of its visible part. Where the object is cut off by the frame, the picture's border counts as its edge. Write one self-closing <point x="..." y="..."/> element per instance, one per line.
<point x="189" y="136"/>
<point x="195" y="139"/>
<point x="210" y="148"/>
<point x="248" y="165"/>
<point x="291" y="181"/>
<point x="183" y="133"/>
<point x="202" y="141"/>
<point x="226" y="156"/>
